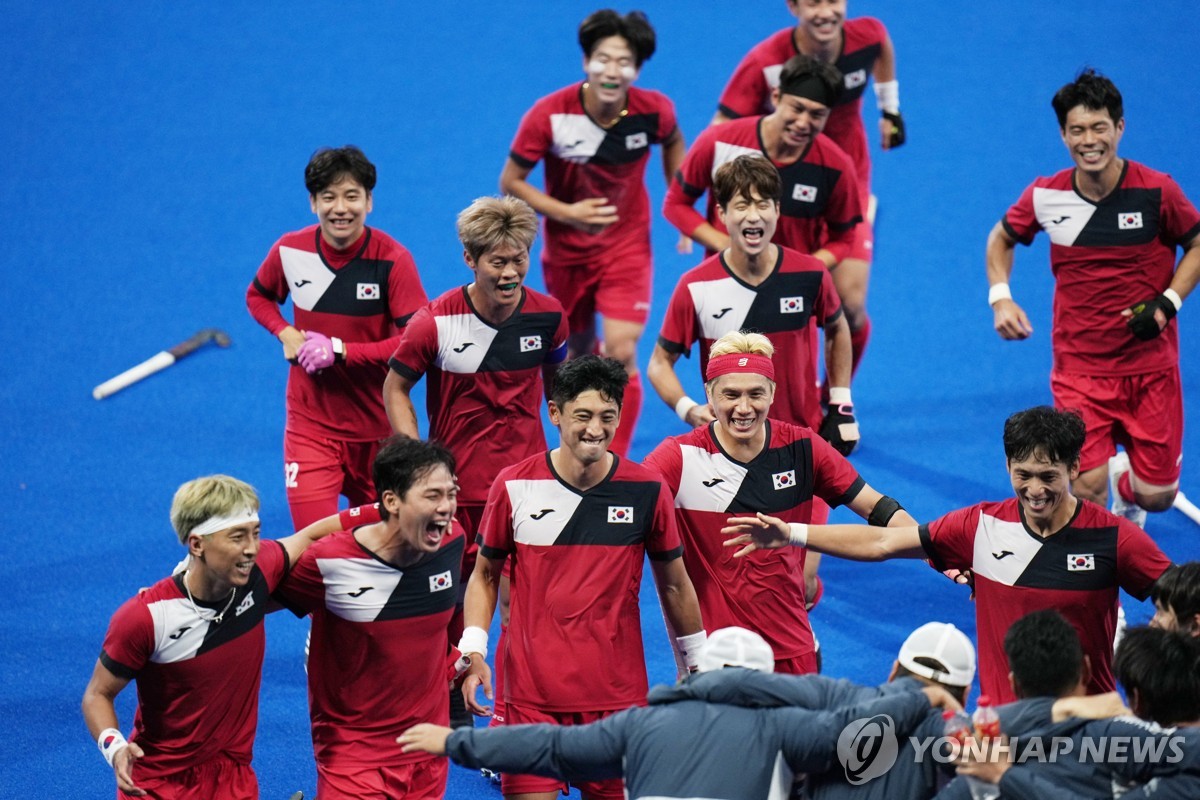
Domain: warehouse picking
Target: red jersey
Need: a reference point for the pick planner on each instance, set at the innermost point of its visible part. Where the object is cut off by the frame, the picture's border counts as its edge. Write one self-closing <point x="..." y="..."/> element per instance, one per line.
<point x="377" y="665"/>
<point x="484" y="392"/>
<point x="782" y="480"/>
<point x="363" y="296"/>
<point x="576" y="562"/>
<point x="197" y="679"/>
<point x="1106" y="257"/>
<point x="749" y="89"/>
<point x="788" y="307"/>
<point x="1076" y="571"/>
<point x="820" y="205"/>
<point x="584" y="160"/>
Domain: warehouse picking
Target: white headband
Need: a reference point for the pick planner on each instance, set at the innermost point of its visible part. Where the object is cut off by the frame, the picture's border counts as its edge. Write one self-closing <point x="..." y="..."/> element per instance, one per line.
<point x="214" y="524"/>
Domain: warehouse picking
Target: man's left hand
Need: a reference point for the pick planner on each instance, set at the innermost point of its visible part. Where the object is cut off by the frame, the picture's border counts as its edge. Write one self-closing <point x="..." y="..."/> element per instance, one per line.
<point x="1146" y="320"/>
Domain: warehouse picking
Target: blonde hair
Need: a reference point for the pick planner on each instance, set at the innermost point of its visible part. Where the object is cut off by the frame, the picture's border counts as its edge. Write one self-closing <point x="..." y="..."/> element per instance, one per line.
<point x="754" y="344"/>
<point x="211" y="496"/>
<point x="490" y="222"/>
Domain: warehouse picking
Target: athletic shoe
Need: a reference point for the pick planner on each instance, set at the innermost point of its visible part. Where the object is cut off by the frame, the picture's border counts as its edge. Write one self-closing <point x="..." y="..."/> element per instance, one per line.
<point x="1118" y="465"/>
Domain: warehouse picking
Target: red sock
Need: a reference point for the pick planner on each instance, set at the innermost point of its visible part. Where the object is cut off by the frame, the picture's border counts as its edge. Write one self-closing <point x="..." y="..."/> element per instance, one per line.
<point x="631" y="409"/>
<point x="305" y="513"/>
<point x="1125" y="488"/>
<point x="858" y="344"/>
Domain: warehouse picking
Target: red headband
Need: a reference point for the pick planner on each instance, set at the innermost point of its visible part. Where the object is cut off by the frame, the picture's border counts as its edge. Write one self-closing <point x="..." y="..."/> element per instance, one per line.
<point x="740" y="362"/>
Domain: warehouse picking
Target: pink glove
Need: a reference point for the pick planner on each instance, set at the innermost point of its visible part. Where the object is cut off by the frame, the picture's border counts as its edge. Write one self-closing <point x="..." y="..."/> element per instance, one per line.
<point x="316" y="353"/>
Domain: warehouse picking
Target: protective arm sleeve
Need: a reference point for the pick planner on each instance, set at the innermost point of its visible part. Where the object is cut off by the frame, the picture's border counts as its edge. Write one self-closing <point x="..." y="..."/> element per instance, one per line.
<point x="575" y="753"/>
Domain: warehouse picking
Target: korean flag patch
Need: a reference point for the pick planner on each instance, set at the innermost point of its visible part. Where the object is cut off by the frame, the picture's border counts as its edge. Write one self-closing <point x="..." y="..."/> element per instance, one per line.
<point x="803" y="193"/>
<point x="530" y="343"/>
<point x="1081" y="562"/>
<point x="636" y="141"/>
<point x="784" y="480"/>
<point x="623" y="514"/>
<point x="1129" y="220"/>
<point x="440" y="582"/>
<point x="791" y="305"/>
<point x="368" y="291"/>
<point x="855" y="79"/>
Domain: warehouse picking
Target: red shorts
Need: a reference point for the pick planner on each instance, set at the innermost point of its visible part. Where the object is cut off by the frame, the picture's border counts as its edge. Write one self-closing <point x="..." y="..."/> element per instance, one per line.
<point x="469" y="516"/>
<point x="219" y="778"/>
<point x="611" y="789"/>
<point x="1143" y="413"/>
<point x="800" y="665"/>
<point x="617" y="284"/>
<point x="317" y="468"/>
<point x="416" y="780"/>
<point x="864" y="240"/>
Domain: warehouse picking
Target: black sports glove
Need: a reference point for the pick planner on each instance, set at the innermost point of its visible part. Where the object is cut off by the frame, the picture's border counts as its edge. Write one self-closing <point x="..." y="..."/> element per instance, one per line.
<point x="896" y="137"/>
<point x="840" y="429"/>
<point x="1143" y="324"/>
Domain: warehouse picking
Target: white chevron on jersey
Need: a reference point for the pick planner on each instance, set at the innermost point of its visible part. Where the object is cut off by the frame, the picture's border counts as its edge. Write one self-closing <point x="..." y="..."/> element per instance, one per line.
<point x="356" y="589"/>
<point x="576" y="138"/>
<point x="721" y="306"/>
<point x="465" y="331"/>
<point x="725" y="152"/>
<point x="992" y="539"/>
<point x="307" y="270"/>
<point x="1061" y="214"/>
<point x="699" y="465"/>
<point x="178" y="630"/>
<point x="771" y="75"/>
<point x="540" y="509"/>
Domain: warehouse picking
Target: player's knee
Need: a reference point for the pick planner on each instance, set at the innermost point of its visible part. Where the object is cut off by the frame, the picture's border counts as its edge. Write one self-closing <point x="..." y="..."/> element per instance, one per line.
<point x="625" y="351"/>
<point x="1093" y="491"/>
<point x="1156" y="501"/>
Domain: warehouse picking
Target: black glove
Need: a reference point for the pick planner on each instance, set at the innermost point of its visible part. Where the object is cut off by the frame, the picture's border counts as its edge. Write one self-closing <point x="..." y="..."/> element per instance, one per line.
<point x="896" y="137"/>
<point x="840" y="429"/>
<point x="1143" y="324"/>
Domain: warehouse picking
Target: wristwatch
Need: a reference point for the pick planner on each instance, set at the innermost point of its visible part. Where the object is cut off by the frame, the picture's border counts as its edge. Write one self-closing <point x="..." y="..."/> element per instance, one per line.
<point x="339" y="348"/>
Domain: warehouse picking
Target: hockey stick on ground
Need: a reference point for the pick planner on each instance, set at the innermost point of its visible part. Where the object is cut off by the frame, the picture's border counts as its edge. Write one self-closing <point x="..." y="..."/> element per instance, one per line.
<point x="1187" y="507"/>
<point x="160" y="361"/>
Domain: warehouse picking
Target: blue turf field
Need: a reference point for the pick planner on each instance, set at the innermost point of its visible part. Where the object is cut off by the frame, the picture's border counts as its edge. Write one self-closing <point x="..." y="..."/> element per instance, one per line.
<point x="157" y="151"/>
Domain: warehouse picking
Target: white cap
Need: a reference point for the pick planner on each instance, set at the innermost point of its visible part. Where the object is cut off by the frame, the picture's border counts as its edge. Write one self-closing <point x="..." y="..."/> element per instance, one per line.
<point x="736" y="647"/>
<point x="945" y="644"/>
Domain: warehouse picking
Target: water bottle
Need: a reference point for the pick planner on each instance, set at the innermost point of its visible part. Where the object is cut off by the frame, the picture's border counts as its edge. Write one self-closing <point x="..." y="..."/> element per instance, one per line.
<point x="985" y="719"/>
<point x="957" y="726"/>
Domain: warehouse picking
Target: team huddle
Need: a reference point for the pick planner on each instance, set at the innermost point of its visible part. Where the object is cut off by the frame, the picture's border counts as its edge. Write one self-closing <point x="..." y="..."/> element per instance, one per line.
<point x="403" y="586"/>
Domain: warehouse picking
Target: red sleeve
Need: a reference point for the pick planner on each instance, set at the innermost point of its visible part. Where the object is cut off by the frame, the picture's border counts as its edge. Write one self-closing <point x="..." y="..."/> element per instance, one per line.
<point x="130" y="639"/>
<point x="405" y="297"/>
<point x="664" y="543"/>
<point x="303" y="591"/>
<point x="835" y="479"/>
<point x="495" y="535"/>
<point x="679" y="327"/>
<point x="691" y="181"/>
<point x="558" y="353"/>
<point x="1139" y="561"/>
<point x="351" y="518"/>
<point x="843" y="212"/>
<point x="667" y="123"/>
<point x="747" y="90"/>
<point x="1180" y="221"/>
<point x="667" y="461"/>
<point x="829" y="305"/>
<point x="533" y="138"/>
<point x="267" y="292"/>
<point x="417" y="347"/>
<point x="273" y="561"/>
<point x="949" y="540"/>
<point x="1020" y="221"/>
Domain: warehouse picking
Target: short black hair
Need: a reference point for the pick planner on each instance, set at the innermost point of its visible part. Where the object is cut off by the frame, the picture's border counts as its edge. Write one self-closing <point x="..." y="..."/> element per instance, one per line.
<point x="402" y="461"/>
<point x="586" y="373"/>
<point x="1057" y="434"/>
<point x="1091" y="90"/>
<point x="1178" y="589"/>
<point x="1044" y="654"/>
<point x="743" y="176"/>
<point x="330" y="164"/>
<point x="801" y="68"/>
<point x="1163" y="667"/>
<point x="634" y="28"/>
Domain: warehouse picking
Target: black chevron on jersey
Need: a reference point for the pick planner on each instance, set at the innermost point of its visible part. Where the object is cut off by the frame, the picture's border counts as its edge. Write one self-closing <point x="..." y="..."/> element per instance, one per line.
<point x="412" y="596"/>
<point x="251" y="598"/>
<point x="804" y="174"/>
<point x="628" y="140"/>
<point x="344" y="295"/>
<point x="594" y="521"/>
<point x="513" y="347"/>
<point x="856" y="68"/>
<point x="767" y="314"/>
<point x="1048" y="568"/>
<point x="758" y="492"/>
<point x="1126" y="217"/>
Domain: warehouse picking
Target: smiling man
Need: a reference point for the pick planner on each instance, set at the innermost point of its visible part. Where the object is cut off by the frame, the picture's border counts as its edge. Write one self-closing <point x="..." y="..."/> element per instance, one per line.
<point x="381" y="597"/>
<point x="1114" y="227"/>
<point x="578" y="523"/>
<point x="353" y="288"/>
<point x="1044" y="548"/>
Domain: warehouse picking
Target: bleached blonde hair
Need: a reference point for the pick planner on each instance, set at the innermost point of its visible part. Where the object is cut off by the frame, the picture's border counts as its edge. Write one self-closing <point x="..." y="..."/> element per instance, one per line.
<point x="211" y="496"/>
<point x="754" y="344"/>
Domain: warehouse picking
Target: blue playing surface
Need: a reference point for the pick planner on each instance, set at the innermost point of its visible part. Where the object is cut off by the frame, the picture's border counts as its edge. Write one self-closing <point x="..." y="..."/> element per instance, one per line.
<point x="157" y="151"/>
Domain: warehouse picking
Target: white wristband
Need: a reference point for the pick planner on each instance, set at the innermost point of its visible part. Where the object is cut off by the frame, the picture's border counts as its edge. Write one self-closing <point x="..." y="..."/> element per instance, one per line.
<point x="839" y="395"/>
<point x="689" y="648"/>
<point x="998" y="292"/>
<point x="887" y="96"/>
<point x="474" y="640"/>
<point x="110" y="741"/>
<point x="1174" y="297"/>
<point x="684" y="405"/>
<point x="798" y="533"/>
